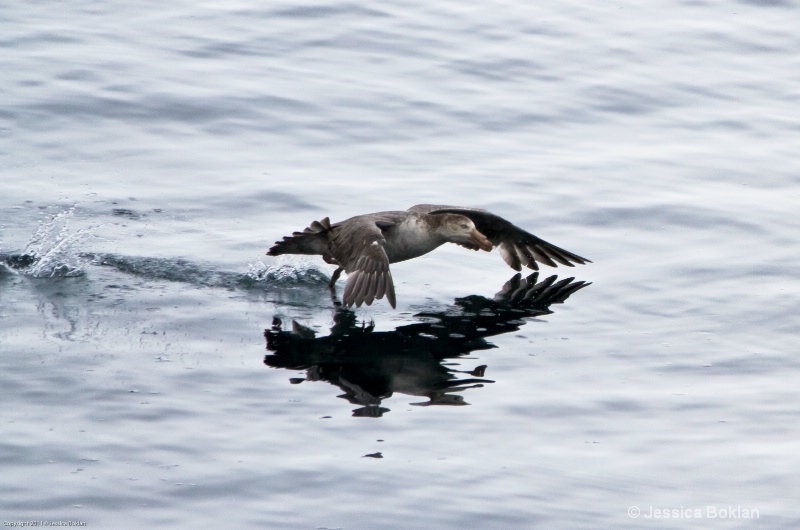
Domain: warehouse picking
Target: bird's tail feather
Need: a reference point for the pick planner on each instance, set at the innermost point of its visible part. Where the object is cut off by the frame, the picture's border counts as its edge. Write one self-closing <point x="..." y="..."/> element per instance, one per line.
<point x="312" y="240"/>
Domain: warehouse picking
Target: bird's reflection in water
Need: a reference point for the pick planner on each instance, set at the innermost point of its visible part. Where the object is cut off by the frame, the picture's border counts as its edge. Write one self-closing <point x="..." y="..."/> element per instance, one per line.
<point x="369" y="366"/>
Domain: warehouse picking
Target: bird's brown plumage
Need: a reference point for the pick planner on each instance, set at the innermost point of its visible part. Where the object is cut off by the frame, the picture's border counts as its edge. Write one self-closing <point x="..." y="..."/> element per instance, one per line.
<point x="364" y="246"/>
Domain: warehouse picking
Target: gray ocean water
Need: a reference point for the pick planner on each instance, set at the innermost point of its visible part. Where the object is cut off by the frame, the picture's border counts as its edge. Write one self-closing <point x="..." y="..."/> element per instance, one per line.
<point x="150" y="153"/>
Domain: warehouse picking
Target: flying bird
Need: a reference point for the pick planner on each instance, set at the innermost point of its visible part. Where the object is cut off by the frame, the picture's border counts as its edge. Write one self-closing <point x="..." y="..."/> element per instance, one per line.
<point x="364" y="246"/>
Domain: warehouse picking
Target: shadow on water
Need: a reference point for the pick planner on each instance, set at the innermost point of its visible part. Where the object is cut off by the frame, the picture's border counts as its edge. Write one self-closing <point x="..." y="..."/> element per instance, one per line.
<point x="369" y="366"/>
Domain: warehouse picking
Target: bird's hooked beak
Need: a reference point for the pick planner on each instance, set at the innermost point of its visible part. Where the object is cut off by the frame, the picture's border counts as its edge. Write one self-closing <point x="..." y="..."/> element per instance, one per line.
<point x="480" y="240"/>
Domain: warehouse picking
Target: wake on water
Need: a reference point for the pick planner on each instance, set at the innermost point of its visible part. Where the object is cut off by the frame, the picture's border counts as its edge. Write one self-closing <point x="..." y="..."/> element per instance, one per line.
<point x="55" y="250"/>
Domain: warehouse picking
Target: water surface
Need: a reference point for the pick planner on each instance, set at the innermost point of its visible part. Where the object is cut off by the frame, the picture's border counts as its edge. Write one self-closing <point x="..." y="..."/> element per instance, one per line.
<point x="149" y="155"/>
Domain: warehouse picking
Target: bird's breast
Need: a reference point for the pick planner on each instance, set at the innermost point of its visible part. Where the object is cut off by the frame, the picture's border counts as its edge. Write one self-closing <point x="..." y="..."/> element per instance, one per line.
<point x="409" y="240"/>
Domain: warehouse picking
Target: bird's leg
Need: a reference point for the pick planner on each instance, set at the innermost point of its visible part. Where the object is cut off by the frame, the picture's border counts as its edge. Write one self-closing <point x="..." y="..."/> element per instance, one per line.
<point x="332" y="284"/>
<point x="335" y="276"/>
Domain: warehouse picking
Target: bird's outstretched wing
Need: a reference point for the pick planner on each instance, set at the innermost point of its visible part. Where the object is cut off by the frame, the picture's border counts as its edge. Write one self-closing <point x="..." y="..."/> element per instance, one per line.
<point x="517" y="246"/>
<point x="358" y="246"/>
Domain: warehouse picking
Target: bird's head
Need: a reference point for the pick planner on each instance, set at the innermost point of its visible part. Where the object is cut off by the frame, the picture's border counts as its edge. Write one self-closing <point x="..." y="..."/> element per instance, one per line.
<point x="461" y="230"/>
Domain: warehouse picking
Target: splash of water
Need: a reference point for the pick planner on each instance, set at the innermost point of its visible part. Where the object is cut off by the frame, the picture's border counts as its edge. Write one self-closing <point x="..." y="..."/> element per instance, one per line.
<point x="54" y="250"/>
<point x="287" y="271"/>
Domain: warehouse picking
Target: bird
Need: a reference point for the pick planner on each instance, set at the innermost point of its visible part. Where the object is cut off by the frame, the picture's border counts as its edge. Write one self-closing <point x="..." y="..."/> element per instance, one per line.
<point x="365" y="245"/>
